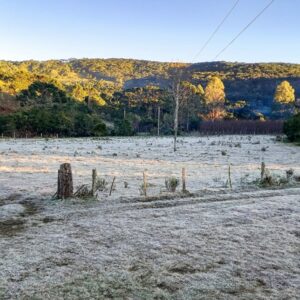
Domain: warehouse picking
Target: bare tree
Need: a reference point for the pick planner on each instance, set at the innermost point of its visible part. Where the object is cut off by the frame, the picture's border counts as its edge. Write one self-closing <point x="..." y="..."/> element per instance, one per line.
<point x="158" y="120"/>
<point x="175" y="91"/>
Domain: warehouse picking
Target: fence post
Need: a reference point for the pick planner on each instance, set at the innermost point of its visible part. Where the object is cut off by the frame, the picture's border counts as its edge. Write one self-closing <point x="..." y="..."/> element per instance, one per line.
<point x="112" y="186"/>
<point x="229" y="177"/>
<point x="65" y="182"/>
<point x="145" y="184"/>
<point x="183" y="175"/>
<point x="94" y="182"/>
<point x="262" y="171"/>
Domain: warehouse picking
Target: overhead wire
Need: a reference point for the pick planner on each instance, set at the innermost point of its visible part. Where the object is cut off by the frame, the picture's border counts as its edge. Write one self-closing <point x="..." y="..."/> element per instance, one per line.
<point x="244" y="29"/>
<point x="217" y="29"/>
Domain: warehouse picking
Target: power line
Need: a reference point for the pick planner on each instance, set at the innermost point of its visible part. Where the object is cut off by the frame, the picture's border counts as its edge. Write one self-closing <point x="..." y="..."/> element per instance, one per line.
<point x="244" y="29"/>
<point x="217" y="29"/>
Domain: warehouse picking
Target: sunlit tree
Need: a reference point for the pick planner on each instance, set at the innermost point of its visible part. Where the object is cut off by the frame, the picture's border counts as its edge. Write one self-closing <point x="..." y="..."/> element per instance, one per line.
<point x="215" y="99"/>
<point x="285" y="93"/>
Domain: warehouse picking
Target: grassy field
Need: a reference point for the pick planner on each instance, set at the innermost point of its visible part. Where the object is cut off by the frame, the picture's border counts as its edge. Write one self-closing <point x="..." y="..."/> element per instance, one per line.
<point x="216" y="243"/>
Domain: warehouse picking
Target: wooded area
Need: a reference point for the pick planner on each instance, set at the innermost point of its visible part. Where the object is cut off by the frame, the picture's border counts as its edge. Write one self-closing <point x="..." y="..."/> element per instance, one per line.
<point x="95" y="97"/>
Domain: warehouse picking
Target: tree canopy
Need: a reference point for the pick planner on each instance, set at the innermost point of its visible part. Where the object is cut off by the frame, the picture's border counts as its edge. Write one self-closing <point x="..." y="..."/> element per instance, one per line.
<point x="285" y="93"/>
<point x="215" y="90"/>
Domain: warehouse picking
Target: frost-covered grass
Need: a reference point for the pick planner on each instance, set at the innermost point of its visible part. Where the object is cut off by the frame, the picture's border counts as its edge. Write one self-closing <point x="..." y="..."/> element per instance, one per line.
<point x="214" y="244"/>
<point x="30" y="166"/>
<point x="222" y="246"/>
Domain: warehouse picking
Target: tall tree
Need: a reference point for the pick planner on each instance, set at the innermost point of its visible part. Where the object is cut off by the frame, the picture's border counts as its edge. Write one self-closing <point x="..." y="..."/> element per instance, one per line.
<point x="189" y="94"/>
<point x="215" y="98"/>
<point x="175" y="89"/>
<point x="153" y="96"/>
<point x="285" y="93"/>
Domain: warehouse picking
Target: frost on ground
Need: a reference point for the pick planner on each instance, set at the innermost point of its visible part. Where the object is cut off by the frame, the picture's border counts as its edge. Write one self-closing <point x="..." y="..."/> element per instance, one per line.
<point x="218" y="244"/>
<point x="30" y="166"/>
<point x="224" y="246"/>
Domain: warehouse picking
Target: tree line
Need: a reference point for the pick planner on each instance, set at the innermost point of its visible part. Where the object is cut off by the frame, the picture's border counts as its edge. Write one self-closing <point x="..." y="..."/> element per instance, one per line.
<point x="45" y="107"/>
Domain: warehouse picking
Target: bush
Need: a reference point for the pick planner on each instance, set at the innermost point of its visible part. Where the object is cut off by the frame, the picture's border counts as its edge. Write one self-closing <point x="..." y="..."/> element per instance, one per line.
<point x="62" y="120"/>
<point x="292" y="128"/>
<point x="171" y="184"/>
<point x="123" y="128"/>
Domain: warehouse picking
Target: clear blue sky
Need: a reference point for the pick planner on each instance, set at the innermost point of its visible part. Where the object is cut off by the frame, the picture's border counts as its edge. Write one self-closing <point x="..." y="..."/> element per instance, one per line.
<point x="163" y="30"/>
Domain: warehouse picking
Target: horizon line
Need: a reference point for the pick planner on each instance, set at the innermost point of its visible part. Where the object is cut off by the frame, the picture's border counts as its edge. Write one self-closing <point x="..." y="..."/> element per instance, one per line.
<point x="144" y="60"/>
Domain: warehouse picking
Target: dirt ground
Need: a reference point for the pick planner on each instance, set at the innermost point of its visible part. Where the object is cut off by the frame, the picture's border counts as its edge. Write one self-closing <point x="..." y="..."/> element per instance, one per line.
<point x="215" y="244"/>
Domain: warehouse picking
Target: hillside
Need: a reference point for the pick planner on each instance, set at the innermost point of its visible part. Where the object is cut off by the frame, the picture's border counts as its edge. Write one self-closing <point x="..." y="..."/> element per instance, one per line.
<point x="128" y="73"/>
<point x="101" y="78"/>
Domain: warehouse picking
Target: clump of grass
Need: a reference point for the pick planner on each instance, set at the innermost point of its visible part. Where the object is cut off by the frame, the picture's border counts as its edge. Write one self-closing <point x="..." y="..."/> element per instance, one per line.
<point x="269" y="180"/>
<point x="143" y="189"/>
<point x="171" y="184"/>
<point x="83" y="192"/>
<point x="101" y="184"/>
<point x="272" y="180"/>
<point x="289" y="174"/>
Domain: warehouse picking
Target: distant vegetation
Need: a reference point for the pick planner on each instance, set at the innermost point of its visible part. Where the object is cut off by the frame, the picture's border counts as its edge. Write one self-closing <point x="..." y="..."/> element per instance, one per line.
<point x="92" y="97"/>
<point x="292" y="128"/>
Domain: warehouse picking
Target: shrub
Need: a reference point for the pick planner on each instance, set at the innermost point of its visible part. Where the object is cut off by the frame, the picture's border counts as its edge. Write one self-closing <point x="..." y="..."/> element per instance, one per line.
<point x="292" y="128"/>
<point x="123" y="128"/>
<point x="171" y="184"/>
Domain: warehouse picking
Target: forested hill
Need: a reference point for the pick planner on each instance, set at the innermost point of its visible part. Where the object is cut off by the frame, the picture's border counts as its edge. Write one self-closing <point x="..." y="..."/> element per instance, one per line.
<point x="254" y="83"/>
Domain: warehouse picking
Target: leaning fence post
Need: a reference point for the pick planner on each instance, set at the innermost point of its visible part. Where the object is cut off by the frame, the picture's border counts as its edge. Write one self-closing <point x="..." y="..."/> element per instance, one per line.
<point x="65" y="182"/>
<point x="94" y="182"/>
<point x="183" y="175"/>
<point x="112" y="186"/>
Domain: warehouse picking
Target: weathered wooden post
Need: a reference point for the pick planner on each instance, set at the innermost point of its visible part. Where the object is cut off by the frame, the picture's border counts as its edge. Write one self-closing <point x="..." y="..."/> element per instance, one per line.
<point x="183" y="175"/>
<point x="94" y="182"/>
<point x="145" y="184"/>
<point x="262" y="171"/>
<point x="65" y="182"/>
<point x="158" y="120"/>
<point x="229" y="177"/>
<point x="112" y="185"/>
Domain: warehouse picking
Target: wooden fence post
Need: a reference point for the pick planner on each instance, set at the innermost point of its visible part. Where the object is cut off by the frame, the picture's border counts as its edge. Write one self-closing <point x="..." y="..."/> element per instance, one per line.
<point x="94" y="182"/>
<point x="229" y="177"/>
<point x="112" y="185"/>
<point x="183" y="180"/>
<point x="262" y="171"/>
<point x="145" y="184"/>
<point x="65" y="182"/>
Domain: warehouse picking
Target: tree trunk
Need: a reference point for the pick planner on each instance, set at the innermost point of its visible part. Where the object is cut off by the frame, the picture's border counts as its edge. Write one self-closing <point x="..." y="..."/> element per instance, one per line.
<point x="158" y="121"/>
<point x="188" y="121"/>
<point x="176" y="119"/>
<point x="65" y="182"/>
